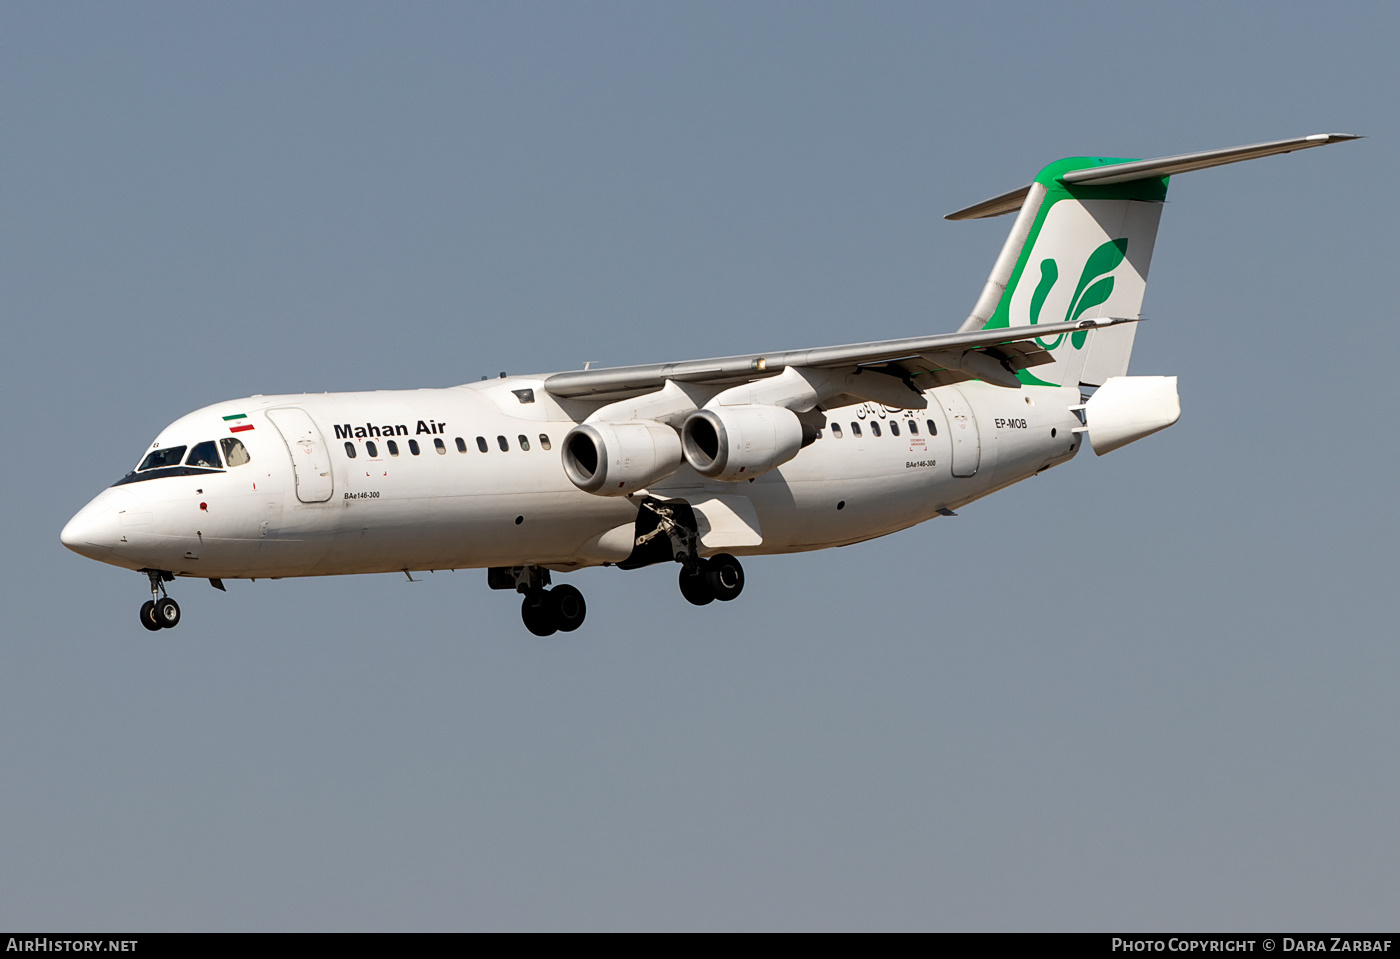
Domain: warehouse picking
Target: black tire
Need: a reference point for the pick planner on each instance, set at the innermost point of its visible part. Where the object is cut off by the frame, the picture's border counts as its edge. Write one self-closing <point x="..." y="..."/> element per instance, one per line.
<point x="567" y="607"/>
<point x="167" y="613"/>
<point x="537" y="613"/>
<point x="725" y="577"/>
<point x="695" y="587"/>
<point x="148" y="615"/>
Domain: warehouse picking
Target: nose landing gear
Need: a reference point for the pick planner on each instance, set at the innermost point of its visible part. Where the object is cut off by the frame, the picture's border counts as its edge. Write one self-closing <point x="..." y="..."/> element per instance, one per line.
<point x="160" y="611"/>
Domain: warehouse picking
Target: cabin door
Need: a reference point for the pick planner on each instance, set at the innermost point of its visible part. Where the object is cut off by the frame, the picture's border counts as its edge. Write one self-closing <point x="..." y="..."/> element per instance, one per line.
<point x="962" y="432"/>
<point x="311" y="461"/>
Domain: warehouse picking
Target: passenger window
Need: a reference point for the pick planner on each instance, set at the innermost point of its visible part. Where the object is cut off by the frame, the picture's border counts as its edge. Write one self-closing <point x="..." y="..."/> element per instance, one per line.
<point x="159" y="458"/>
<point x="461" y="445"/>
<point x="894" y="428"/>
<point x="544" y="441"/>
<point x="932" y="430"/>
<point x="371" y="449"/>
<point x="413" y="447"/>
<point x="235" y="453"/>
<point x="393" y="448"/>
<point x="524" y="442"/>
<point x="349" y="449"/>
<point x="913" y="428"/>
<point x="440" y="446"/>
<point x="855" y="429"/>
<point x="874" y="428"/>
<point x="205" y="454"/>
<point x="481" y="443"/>
<point x="836" y="430"/>
<point x="503" y="443"/>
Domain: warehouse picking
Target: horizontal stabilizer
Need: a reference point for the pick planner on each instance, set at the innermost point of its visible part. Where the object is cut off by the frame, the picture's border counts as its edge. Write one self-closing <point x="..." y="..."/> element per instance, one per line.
<point x="1126" y="172"/>
<point x="1008" y="202"/>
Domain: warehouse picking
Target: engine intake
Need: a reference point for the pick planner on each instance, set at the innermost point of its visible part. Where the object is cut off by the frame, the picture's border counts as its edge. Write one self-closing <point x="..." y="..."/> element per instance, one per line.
<point x="614" y="459"/>
<point x="734" y="443"/>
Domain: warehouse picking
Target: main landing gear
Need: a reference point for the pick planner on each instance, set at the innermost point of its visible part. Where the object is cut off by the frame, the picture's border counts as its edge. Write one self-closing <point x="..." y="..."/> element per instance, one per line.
<point x="718" y="578"/>
<point x="545" y="611"/>
<point x="702" y="580"/>
<point x="160" y="611"/>
<point x="666" y="531"/>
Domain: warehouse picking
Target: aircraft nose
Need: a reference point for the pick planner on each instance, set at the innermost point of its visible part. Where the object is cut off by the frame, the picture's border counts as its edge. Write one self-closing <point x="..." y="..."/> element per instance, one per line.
<point x="95" y="531"/>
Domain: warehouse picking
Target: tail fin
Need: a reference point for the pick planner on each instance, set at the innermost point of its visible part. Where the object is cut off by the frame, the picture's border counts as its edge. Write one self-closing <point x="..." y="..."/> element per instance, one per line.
<point x="1080" y="248"/>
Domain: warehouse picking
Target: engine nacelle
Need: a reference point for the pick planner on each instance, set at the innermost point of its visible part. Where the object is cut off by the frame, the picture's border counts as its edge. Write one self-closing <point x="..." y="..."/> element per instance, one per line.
<point x="733" y="443"/>
<point x="614" y="459"/>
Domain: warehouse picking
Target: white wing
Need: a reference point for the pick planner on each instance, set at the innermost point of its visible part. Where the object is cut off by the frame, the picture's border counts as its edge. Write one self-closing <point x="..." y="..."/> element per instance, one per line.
<point x="897" y="370"/>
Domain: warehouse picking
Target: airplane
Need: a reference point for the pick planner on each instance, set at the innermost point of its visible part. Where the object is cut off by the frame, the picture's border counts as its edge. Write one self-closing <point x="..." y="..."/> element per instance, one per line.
<point x="695" y="462"/>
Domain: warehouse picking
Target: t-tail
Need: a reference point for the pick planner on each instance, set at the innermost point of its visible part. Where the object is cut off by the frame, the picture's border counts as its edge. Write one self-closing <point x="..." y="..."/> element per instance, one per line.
<point x="1080" y="249"/>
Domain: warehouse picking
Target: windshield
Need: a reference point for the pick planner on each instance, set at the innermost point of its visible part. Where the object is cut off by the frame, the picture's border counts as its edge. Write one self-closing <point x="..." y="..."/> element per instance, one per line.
<point x="160" y="458"/>
<point x="203" y="459"/>
<point x="235" y="453"/>
<point x="205" y="454"/>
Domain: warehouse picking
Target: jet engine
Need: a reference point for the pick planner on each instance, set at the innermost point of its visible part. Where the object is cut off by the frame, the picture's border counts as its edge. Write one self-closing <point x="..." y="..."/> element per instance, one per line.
<point x="734" y="443"/>
<point x="614" y="459"/>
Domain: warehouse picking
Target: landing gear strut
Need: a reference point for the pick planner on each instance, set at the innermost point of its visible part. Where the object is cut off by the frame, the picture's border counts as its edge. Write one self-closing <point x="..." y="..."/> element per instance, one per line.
<point x="545" y="611"/>
<point x="160" y="611"/>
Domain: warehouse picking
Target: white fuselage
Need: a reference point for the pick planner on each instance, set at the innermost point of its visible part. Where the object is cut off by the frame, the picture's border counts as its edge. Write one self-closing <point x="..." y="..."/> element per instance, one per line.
<point x="303" y="506"/>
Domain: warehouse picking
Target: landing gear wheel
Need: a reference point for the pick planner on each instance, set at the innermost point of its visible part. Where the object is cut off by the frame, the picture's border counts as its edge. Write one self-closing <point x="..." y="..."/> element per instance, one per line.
<point x="568" y="608"/>
<point x="695" y="587"/>
<point x="148" y="615"/>
<point x="166" y="612"/>
<point x="537" y="613"/>
<point x="724" y="576"/>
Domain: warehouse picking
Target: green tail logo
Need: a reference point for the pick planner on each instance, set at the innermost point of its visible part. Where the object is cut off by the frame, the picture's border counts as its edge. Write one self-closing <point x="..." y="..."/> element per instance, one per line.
<point x="1095" y="286"/>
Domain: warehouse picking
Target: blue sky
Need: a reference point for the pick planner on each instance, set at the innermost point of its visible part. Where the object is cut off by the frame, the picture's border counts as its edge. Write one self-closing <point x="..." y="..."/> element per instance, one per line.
<point x="1149" y="691"/>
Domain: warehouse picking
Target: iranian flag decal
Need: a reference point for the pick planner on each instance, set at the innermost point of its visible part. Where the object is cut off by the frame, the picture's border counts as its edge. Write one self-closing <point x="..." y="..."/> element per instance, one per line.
<point x="238" y="423"/>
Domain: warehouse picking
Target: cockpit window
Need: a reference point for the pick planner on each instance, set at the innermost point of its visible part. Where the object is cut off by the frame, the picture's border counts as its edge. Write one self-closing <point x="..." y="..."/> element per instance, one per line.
<point x="205" y="454"/>
<point x="162" y="458"/>
<point x="235" y="453"/>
